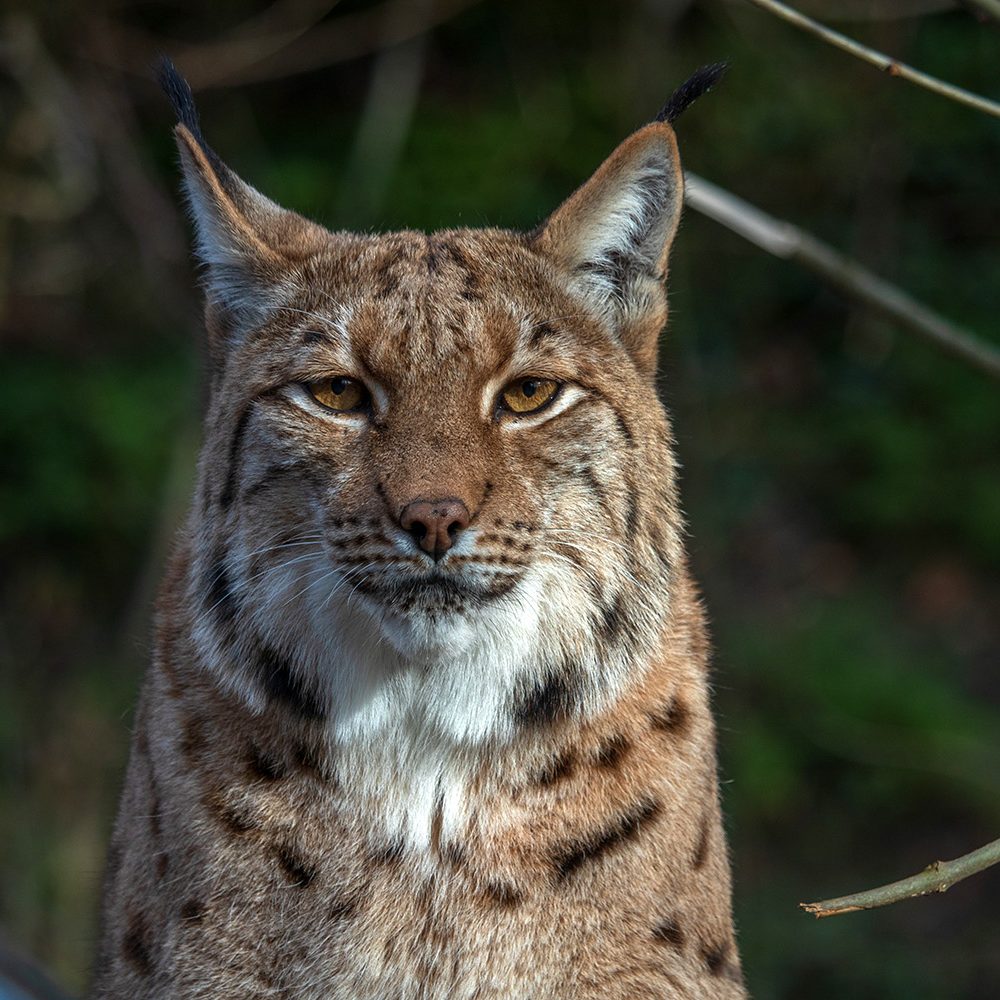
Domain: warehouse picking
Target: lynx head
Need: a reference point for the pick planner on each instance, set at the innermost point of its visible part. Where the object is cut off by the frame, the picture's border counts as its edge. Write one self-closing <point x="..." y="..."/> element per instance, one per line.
<point x="436" y="487"/>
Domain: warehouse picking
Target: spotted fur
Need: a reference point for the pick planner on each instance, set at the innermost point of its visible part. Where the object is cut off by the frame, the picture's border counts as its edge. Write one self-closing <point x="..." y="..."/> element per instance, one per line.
<point x="362" y="773"/>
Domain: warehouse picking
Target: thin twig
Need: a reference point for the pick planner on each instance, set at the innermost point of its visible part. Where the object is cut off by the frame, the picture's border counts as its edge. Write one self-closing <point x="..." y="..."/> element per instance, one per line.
<point x="879" y="59"/>
<point x="853" y="279"/>
<point x="937" y="877"/>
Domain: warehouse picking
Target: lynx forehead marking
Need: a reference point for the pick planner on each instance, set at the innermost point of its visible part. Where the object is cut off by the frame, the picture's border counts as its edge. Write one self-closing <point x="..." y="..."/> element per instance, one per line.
<point x="313" y="336"/>
<point x="540" y="332"/>
<point x="470" y="290"/>
<point x="386" y="283"/>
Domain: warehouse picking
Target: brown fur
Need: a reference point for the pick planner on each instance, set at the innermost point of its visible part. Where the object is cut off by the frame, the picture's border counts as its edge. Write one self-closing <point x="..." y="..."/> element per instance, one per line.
<point x="255" y="853"/>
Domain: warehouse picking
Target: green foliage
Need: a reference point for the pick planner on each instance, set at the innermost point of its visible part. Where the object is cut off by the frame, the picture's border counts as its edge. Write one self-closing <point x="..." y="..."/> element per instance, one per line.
<point x="88" y="443"/>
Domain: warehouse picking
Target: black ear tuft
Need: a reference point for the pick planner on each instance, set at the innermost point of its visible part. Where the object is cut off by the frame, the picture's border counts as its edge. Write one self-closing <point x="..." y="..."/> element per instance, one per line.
<point x="701" y="82"/>
<point x="179" y="91"/>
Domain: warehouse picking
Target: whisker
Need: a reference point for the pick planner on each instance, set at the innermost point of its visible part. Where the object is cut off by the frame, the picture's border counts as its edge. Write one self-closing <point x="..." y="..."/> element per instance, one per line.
<point x="319" y="574"/>
<point x="299" y="540"/>
<point x="257" y="576"/>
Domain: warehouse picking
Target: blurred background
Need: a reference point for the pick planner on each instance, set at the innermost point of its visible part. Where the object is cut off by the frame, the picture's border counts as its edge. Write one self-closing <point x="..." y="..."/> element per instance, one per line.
<point x="841" y="476"/>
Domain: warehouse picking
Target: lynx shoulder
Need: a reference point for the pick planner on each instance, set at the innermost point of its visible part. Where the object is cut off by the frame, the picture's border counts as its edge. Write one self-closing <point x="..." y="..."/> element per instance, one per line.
<point x="428" y="712"/>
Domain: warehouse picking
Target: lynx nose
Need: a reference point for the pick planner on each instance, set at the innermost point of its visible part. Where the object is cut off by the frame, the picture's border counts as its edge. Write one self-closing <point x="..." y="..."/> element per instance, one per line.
<point x="435" y="524"/>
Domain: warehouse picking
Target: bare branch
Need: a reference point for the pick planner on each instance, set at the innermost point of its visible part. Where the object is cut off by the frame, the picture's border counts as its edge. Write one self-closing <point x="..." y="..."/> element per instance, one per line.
<point x="253" y="41"/>
<point x="876" y="10"/>
<point x="287" y="49"/>
<point x="785" y="240"/>
<point x="883" y="62"/>
<point x="937" y="877"/>
<point x="991" y="8"/>
<point x="386" y="120"/>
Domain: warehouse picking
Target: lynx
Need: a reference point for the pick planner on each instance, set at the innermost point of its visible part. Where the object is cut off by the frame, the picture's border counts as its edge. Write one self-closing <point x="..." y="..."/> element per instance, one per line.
<point x="428" y="712"/>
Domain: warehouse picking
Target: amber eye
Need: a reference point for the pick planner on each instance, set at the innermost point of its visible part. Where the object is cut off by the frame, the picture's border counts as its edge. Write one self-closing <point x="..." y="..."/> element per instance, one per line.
<point x="528" y="394"/>
<point x="342" y="394"/>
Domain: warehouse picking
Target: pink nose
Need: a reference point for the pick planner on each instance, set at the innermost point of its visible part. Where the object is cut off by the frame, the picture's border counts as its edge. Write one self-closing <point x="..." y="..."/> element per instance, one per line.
<point x="435" y="524"/>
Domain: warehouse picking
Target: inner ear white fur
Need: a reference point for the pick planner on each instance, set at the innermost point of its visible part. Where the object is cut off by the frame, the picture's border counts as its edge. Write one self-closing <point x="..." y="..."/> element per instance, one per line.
<point x="627" y="232"/>
<point x="613" y="235"/>
<point x="240" y="236"/>
<point x="233" y="279"/>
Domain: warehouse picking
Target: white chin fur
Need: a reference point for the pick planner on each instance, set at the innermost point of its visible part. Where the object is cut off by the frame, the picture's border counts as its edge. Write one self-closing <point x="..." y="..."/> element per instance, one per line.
<point x="419" y="636"/>
<point x="449" y="674"/>
<point x="410" y="696"/>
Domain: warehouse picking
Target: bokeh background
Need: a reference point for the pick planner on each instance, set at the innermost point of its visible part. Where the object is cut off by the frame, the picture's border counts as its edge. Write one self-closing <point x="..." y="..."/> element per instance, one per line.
<point x="842" y="477"/>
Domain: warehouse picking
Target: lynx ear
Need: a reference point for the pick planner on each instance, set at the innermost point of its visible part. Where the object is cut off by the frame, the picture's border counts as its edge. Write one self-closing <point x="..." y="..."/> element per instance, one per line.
<point x="613" y="235"/>
<point x="248" y="245"/>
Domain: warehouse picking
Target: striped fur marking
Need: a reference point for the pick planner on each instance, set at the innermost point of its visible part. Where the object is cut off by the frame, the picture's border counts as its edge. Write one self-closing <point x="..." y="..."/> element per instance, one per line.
<point x="568" y="858"/>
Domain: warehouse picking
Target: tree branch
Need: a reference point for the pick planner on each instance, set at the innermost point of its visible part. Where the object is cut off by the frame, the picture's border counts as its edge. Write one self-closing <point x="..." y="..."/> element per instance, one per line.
<point x="782" y="239"/>
<point x="991" y="8"/>
<point x="883" y="62"/>
<point x="285" y="50"/>
<point x="937" y="877"/>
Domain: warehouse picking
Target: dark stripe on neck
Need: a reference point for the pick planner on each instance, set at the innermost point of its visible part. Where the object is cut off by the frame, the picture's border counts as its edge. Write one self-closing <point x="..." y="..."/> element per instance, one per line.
<point x="551" y="699"/>
<point x="219" y="595"/>
<point x="571" y="856"/>
<point x="279" y="680"/>
<point x="613" y="619"/>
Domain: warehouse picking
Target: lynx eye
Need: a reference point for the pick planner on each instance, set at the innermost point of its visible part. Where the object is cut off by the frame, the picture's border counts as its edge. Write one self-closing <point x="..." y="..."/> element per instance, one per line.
<point x="343" y="394"/>
<point x="526" y="395"/>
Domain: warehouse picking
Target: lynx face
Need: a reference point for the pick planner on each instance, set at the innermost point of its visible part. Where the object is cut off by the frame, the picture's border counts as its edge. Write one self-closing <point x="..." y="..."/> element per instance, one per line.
<point x="436" y="486"/>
